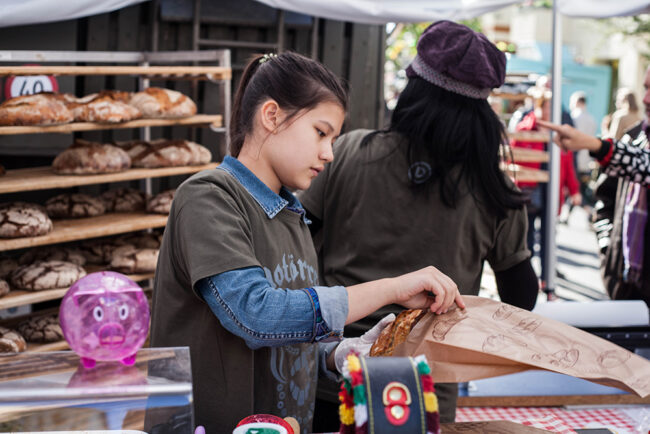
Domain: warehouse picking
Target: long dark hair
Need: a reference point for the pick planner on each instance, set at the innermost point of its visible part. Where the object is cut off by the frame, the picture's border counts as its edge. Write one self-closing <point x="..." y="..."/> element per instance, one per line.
<point x="450" y="131"/>
<point x="295" y="82"/>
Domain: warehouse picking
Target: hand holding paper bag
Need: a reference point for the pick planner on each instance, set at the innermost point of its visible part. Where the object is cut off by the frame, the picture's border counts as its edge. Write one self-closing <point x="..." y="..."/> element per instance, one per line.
<point x="490" y="338"/>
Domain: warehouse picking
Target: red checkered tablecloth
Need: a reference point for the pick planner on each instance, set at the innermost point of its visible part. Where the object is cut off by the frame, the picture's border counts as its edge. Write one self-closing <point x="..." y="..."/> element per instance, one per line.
<point x="553" y="419"/>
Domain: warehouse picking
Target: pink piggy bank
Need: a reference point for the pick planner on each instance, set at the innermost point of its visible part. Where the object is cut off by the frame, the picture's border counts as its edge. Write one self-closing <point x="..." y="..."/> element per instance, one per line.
<point x="105" y="316"/>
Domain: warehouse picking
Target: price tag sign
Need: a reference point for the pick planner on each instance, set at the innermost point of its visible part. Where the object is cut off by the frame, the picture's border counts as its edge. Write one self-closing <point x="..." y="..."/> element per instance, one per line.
<point x="29" y="85"/>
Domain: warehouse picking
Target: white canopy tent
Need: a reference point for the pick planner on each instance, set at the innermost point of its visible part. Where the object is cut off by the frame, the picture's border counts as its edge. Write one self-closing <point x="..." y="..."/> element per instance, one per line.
<point x="23" y="12"/>
<point x="384" y="11"/>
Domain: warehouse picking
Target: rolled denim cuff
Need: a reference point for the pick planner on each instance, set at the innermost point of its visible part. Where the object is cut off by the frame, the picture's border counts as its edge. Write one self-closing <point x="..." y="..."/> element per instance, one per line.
<point x="322" y="331"/>
<point x="324" y="351"/>
<point x="334" y="307"/>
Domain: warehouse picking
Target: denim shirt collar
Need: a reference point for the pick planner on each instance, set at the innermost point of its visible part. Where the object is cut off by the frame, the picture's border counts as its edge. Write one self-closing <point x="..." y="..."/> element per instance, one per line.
<point x="266" y="198"/>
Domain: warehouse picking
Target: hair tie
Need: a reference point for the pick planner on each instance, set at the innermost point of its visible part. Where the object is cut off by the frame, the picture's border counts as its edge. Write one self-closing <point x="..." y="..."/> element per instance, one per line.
<point x="267" y="57"/>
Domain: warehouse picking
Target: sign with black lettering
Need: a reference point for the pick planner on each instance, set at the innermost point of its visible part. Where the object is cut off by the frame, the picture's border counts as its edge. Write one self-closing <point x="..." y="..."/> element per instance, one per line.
<point x="29" y="85"/>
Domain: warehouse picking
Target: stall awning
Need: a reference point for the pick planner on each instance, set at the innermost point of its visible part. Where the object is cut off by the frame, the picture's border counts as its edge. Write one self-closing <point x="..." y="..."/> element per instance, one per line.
<point x="22" y="12"/>
<point x="603" y="8"/>
<point x="383" y="11"/>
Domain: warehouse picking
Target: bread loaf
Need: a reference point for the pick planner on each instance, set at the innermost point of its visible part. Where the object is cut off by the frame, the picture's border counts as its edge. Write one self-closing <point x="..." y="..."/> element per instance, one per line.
<point x="7" y="266"/>
<point x="53" y="253"/>
<point x="396" y="333"/>
<point x="124" y="200"/>
<point x="85" y="157"/>
<point x="46" y="275"/>
<point x="165" y="153"/>
<point x="156" y="102"/>
<point x="75" y="205"/>
<point x="107" y="106"/>
<point x="39" y="109"/>
<point x="161" y="203"/>
<point x="11" y="341"/>
<point x="21" y="219"/>
<point x="41" y="329"/>
<point x="130" y="259"/>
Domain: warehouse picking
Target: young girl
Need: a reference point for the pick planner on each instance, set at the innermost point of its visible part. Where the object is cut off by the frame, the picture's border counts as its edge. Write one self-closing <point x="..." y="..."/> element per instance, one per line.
<point x="237" y="273"/>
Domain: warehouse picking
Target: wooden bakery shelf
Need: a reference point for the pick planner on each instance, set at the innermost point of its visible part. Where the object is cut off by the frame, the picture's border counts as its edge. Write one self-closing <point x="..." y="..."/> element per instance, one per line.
<point x="211" y="120"/>
<point x="199" y="72"/>
<point x="21" y="297"/>
<point x="61" y="345"/>
<point x="44" y="178"/>
<point x="90" y="227"/>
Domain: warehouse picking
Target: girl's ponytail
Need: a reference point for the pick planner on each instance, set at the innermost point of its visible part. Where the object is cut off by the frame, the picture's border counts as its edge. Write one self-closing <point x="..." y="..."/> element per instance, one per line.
<point x="237" y="133"/>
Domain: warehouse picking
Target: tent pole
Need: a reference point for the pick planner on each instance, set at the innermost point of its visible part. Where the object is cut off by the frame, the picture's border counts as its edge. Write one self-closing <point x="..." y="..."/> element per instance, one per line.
<point x="552" y="203"/>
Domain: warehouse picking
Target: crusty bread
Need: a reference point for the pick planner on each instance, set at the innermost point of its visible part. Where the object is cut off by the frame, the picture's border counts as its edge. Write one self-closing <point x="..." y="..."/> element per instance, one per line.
<point x="46" y="275"/>
<point x="156" y="102"/>
<point x="396" y="333"/>
<point x="124" y="200"/>
<point x="107" y="106"/>
<point x="165" y="153"/>
<point x="40" y="109"/>
<point x="161" y="203"/>
<point x="74" y="205"/>
<point x="11" y="341"/>
<point x="21" y="219"/>
<point x="85" y="157"/>
<point x="130" y="259"/>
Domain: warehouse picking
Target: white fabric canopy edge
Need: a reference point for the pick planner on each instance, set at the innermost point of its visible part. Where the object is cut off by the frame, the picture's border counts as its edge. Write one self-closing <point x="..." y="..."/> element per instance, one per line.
<point x="384" y="11"/>
<point x="409" y="11"/>
<point x="24" y="12"/>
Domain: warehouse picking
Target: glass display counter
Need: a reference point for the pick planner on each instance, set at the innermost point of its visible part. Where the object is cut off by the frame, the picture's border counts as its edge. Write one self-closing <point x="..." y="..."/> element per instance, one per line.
<point x="54" y="392"/>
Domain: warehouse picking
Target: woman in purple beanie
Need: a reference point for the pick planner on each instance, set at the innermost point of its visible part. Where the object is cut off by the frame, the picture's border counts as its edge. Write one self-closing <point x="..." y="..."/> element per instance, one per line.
<point x="427" y="190"/>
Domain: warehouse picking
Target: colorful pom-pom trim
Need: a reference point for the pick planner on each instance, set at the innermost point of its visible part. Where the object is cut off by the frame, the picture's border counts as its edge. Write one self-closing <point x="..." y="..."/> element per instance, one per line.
<point x="353" y="410"/>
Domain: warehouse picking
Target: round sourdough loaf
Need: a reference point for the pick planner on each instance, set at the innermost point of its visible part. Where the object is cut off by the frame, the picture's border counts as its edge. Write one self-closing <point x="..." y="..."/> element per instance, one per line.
<point x="84" y="158"/>
<point x="46" y="275"/>
<point x="21" y="219"/>
<point x="161" y="203"/>
<point x="156" y="102"/>
<point x="38" y="109"/>
<point x="11" y="341"/>
<point x="74" y="205"/>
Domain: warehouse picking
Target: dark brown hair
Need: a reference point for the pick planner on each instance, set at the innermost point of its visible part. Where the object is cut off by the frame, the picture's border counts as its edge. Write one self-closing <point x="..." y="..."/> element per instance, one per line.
<point x="295" y="82"/>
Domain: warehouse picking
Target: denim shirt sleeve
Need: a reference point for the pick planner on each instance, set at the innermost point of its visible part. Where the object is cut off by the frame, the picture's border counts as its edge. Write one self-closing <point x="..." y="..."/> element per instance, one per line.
<point x="248" y="306"/>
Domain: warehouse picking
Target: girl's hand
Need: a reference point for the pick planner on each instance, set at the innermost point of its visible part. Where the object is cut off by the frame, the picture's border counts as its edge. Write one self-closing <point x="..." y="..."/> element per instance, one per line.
<point x="571" y="139"/>
<point x="428" y="287"/>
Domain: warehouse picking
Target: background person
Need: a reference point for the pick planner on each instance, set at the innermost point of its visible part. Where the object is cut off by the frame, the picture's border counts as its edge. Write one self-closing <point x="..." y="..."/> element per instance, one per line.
<point x="429" y="188"/>
<point x="626" y="115"/>
<point x="621" y="212"/>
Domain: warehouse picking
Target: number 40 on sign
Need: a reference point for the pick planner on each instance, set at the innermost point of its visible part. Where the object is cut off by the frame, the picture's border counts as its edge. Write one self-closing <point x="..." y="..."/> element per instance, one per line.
<point x="29" y="85"/>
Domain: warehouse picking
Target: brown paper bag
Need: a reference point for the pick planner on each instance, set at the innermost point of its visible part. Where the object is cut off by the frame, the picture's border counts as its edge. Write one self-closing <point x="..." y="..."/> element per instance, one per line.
<point x="490" y="338"/>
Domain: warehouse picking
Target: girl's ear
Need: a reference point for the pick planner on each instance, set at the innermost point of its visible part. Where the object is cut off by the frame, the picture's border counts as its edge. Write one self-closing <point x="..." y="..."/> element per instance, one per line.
<point x="270" y="116"/>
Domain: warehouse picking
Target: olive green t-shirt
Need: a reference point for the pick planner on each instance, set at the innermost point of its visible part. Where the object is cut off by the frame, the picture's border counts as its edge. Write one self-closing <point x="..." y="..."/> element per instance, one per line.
<point x="215" y="225"/>
<point x="375" y="225"/>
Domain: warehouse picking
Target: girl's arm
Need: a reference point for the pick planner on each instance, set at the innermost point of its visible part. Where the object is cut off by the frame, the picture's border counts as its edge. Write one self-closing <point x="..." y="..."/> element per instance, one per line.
<point x="427" y="287"/>
<point x="248" y="306"/>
